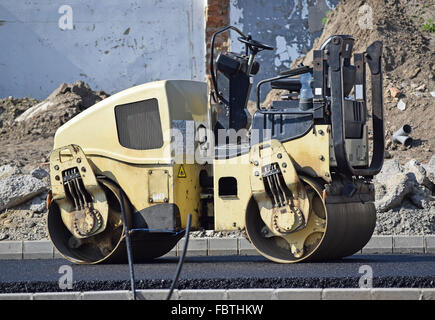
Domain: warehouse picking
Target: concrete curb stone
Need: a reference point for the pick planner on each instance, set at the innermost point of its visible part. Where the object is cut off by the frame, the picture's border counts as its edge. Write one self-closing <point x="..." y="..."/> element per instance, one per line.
<point x="298" y="294"/>
<point x="250" y="294"/>
<point x="379" y="244"/>
<point x="394" y="294"/>
<point x="346" y="294"/>
<point x="429" y="244"/>
<point x="238" y="294"/>
<point x="222" y="246"/>
<point x="408" y="244"/>
<point x="57" y="296"/>
<point x="16" y="296"/>
<point x="156" y="294"/>
<point x="246" y="248"/>
<point x="43" y="249"/>
<point x="40" y="249"/>
<point x="196" y="247"/>
<point x="207" y="294"/>
<point x="106" y="295"/>
<point x="11" y="250"/>
<point x="428" y="294"/>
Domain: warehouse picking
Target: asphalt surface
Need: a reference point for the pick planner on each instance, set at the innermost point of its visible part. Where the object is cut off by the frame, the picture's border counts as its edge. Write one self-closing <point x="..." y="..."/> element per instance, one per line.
<point x="222" y="272"/>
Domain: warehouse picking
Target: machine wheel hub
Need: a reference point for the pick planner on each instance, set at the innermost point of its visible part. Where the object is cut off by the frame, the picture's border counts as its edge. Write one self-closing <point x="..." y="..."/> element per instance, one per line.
<point x="87" y="221"/>
<point x="287" y="219"/>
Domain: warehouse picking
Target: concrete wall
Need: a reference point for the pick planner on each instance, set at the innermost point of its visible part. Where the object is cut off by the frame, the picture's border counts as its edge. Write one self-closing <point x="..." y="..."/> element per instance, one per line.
<point x="290" y="26"/>
<point x="110" y="44"/>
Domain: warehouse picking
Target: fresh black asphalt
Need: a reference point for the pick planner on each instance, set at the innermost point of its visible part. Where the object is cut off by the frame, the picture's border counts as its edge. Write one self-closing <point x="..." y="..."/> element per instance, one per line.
<point x="222" y="272"/>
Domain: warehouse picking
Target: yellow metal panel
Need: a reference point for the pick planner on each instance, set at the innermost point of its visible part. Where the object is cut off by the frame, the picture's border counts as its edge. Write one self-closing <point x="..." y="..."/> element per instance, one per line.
<point x="133" y="179"/>
<point x="187" y="100"/>
<point x="187" y="193"/>
<point x="310" y="153"/>
<point x="230" y="211"/>
<point x="158" y="186"/>
<point x="94" y="130"/>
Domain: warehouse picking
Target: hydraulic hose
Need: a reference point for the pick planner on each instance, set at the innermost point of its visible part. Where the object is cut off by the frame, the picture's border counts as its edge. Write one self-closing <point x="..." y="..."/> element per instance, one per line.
<point x="181" y="260"/>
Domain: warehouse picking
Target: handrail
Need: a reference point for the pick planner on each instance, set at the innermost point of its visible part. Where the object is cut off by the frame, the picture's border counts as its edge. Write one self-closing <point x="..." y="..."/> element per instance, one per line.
<point x="216" y="94"/>
<point x="289" y="73"/>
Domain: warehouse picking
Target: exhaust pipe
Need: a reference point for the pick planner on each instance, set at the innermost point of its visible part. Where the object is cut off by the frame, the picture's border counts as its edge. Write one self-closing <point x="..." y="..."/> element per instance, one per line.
<point x="401" y="135"/>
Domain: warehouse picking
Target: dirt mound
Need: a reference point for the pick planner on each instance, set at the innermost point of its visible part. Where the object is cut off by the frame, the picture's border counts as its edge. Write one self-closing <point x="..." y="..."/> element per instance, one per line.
<point x="408" y="63"/>
<point x="27" y="126"/>
<point x="43" y="118"/>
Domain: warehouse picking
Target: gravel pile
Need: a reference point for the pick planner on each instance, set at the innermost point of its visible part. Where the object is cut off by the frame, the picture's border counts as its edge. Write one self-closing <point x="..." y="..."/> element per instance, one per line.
<point x="405" y="198"/>
<point x="22" y="200"/>
<point x="218" y="234"/>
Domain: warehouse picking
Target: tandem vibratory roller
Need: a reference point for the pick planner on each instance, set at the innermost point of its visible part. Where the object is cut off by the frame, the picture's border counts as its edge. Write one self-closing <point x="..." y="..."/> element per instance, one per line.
<point x="296" y="176"/>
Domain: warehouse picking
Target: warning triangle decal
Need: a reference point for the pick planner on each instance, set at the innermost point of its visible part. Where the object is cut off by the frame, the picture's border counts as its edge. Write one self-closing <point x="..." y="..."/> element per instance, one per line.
<point x="181" y="172"/>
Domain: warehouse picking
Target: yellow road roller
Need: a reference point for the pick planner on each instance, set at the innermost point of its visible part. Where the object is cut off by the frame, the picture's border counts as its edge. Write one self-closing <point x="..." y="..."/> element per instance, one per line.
<point x="296" y="176"/>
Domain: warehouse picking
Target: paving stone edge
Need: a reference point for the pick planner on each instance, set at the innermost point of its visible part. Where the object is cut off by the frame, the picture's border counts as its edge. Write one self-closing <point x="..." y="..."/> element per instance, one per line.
<point x="238" y="294"/>
<point x="43" y="249"/>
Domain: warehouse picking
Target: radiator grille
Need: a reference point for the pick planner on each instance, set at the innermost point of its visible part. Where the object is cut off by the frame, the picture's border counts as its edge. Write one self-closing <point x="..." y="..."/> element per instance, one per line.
<point x="138" y="125"/>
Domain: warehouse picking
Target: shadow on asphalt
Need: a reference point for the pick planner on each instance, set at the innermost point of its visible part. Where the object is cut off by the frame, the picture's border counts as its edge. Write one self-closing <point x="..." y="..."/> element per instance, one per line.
<point x="359" y="258"/>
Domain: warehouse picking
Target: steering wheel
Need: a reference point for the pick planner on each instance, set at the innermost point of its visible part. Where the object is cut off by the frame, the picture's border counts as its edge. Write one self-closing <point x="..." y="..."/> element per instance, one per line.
<point x="255" y="45"/>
